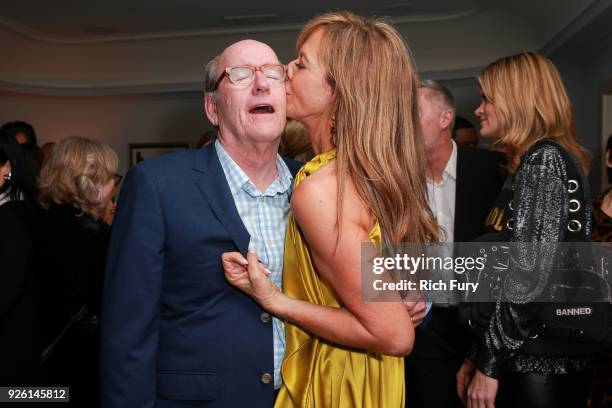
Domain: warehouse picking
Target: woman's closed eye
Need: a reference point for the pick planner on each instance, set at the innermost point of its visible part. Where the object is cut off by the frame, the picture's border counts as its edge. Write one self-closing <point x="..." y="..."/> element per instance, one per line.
<point x="299" y="65"/>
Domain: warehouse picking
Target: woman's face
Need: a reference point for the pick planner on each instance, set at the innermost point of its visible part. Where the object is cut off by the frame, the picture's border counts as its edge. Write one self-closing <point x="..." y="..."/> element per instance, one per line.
<point x="489" y="122"/>
<point x="308" y="93"/>
<point x="4" y="170"/>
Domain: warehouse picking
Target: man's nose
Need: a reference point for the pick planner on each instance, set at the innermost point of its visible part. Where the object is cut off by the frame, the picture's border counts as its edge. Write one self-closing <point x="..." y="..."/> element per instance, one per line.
<point x="260" y="84"/>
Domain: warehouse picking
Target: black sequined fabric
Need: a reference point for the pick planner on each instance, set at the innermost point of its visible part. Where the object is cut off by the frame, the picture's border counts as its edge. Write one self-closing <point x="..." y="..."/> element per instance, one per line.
<point x="540" y="215"/>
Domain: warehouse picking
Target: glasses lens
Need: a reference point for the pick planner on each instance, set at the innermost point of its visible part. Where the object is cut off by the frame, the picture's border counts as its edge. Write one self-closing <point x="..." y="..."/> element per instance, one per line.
<point x="241" y="75"/>
<point x="275" y="73"/>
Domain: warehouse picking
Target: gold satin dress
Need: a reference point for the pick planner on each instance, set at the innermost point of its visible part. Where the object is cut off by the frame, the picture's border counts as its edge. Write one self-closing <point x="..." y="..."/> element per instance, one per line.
<point x="318" y="373"/>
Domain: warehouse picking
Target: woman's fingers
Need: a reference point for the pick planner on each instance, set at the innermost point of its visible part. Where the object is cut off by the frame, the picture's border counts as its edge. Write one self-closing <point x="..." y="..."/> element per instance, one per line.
<point x="417" y="311"/>
<point x="233" y="262"/>
<point x="254" y="267"/>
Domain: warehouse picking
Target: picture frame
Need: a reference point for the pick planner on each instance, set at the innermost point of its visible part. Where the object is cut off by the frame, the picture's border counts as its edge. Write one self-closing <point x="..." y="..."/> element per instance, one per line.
<point x="138" y="152"/>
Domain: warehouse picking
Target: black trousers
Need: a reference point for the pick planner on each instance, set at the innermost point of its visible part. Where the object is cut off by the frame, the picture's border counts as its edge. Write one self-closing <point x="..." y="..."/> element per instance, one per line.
<point x="532" y="390"/>
<point x="431" y="369"/>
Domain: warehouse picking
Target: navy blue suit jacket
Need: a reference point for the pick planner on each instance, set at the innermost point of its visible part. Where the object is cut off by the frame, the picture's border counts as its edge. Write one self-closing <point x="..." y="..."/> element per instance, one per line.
<point x="173" y="329"/>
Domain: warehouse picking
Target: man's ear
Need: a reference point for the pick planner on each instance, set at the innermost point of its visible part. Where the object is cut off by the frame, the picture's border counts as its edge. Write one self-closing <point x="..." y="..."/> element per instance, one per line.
<point x="609" y="158"/>
<point x="446" y="118"/>
<point x="210" y="106"/>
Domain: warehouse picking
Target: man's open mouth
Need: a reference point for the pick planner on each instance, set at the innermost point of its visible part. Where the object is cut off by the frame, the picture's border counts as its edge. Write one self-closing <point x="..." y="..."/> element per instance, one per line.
<point x="262" y="109"/>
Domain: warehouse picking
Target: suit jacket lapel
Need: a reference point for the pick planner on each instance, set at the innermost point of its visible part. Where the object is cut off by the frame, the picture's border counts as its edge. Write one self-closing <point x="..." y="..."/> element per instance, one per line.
<point x="462" y="195"/>
<point x="212" y="183"/>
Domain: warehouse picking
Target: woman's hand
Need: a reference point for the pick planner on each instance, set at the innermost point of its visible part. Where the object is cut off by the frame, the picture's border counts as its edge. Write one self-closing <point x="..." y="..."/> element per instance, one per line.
<point x="482" y="391"/>
<point x="464" y="376"/>
<point x="250" y="276"/>
<point x="417" y="310"/>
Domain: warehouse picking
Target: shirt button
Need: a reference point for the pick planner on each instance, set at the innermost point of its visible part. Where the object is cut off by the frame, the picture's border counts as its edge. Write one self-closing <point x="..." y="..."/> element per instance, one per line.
<point x="265" y="317"/>
<point x="266" y="378"/>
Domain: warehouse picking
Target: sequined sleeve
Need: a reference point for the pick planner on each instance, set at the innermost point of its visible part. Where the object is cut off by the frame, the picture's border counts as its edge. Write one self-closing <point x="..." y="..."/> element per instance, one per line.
<point x="540" y="214"/>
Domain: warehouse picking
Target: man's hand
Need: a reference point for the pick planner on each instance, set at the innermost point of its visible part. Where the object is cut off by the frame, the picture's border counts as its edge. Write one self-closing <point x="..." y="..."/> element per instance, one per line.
<point x="464" y="376"/>
<point x="482" y="391"/>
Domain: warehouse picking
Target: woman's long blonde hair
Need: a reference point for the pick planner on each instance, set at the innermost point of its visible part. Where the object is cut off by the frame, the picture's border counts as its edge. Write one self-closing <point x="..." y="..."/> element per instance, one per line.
<point x="531" y="104"/>
<point x="377" y="133"/>
<point x="74" y="173"/>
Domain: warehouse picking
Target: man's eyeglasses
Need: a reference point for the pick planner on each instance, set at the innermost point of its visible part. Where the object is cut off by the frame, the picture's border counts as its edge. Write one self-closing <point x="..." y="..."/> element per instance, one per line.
<point x="245" y="74"/>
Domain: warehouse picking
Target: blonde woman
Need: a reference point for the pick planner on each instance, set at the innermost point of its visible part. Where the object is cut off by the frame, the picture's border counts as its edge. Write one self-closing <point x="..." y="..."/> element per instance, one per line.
<point x="74" y="188"/>
<point x="526" y="108"/>
<point x="366" y="183"/>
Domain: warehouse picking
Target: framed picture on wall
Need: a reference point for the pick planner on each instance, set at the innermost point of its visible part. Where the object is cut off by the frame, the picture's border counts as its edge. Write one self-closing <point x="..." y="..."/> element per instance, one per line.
<point x="142" y="151"/>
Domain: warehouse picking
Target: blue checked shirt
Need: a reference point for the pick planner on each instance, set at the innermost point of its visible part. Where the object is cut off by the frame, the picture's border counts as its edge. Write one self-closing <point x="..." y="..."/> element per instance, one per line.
<point x="265" y="217"/>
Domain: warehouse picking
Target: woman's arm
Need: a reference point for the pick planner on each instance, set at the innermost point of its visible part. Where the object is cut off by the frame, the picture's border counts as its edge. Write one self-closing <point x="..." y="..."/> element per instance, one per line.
<point x="384" y="327"/>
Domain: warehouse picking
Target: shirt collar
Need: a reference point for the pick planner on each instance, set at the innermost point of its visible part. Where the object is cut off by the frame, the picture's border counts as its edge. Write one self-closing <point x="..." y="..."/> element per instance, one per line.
<point x="451" y="166"/>
<point x="238" y="179"/>
<point x="4" y="198"/>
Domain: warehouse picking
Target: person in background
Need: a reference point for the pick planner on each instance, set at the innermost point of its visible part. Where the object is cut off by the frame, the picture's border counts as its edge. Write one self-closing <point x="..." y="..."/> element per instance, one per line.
<point x="23" y="132"/>
<point x="109" y="212"/>
<point x="20" y="345"/>
<point x="464" y="132"/>
<point x="295" y="142"/>
<point x="46" y="149"/>
<point x="601" y="389"/>
<point x="25" y="135"/>
<point x="75" y="187"/>
<point x="206" y="138"/>
<point x="462" y="183"/>
<point x="525" y="107"/>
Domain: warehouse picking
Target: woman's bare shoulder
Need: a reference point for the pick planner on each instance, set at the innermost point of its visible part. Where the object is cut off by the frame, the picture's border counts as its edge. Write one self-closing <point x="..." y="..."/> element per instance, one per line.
<point x="319" y="192"/>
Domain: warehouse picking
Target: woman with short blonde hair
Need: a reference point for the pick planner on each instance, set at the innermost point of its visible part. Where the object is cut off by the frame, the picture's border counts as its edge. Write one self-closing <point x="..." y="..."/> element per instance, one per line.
<point x="76" y="172"/>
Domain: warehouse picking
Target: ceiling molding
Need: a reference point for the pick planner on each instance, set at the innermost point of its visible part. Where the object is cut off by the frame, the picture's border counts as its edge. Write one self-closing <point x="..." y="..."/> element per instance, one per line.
<point x="574" y="26"/>
<point x="83" y="89"/>
<point x="99" y="90"/>
<point x="45" y="38"/>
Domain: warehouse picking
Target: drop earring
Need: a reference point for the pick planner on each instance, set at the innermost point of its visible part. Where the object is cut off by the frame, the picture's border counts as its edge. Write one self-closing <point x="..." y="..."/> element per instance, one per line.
<point x="8" y="176"/>
<point x="333" y="125"/>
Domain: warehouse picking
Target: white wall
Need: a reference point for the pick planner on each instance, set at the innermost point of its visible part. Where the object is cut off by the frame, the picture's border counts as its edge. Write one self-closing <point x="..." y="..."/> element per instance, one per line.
<point x="117" y="120"/>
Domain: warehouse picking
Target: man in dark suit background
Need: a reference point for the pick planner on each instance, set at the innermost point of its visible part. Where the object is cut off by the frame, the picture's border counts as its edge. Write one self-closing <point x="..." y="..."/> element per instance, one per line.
<point x="462" y="184"/>
<point x="173" y="330"/>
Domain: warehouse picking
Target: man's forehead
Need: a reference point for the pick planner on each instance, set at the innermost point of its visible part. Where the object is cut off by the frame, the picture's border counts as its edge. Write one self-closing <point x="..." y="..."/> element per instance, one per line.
<point x="248" y="52"/>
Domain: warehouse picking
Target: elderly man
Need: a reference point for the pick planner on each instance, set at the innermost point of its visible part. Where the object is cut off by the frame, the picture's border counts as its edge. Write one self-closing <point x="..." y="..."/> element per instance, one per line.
<point x="462" y="184"/>
<point x="174" y="332"/>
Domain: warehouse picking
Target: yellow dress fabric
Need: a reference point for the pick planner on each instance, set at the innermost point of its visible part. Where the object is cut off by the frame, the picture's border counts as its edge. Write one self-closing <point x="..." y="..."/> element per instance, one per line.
<point x="317" y="373"/>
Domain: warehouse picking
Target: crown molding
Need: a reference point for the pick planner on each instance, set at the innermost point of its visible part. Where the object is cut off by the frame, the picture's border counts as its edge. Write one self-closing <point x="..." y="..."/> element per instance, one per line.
<point x="46" y="38"/>
<point x="574" y="26"/>
<point x="97" y="89"/>
<point x="84" y="89"/>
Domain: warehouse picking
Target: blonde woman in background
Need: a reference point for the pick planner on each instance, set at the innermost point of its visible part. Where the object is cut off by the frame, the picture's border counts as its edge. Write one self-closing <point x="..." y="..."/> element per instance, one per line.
<point x="295" y="142"/>
<point x="75" y="185"/>
<point x="513" y="364"/>
<point x="365" y="184"/>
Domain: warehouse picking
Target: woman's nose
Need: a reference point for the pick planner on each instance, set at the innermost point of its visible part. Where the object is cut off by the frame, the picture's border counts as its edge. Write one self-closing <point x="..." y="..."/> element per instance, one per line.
<point x="290" y="68"/>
